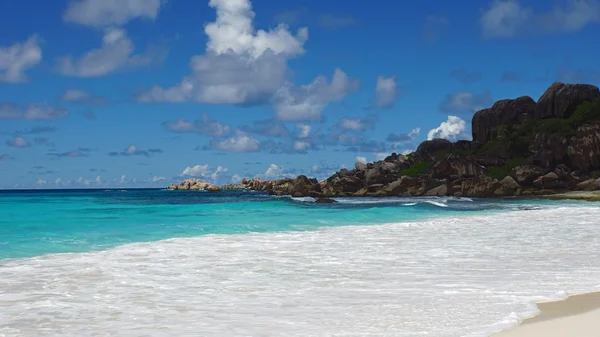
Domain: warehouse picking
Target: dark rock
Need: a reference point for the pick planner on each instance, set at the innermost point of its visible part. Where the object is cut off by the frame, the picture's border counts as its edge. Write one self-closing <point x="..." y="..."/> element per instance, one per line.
<point x="455" y="169"/>
<point x="429" y="149"/>
<point x="480" y="186"/>
<point x="383" y="173"/>
<point x="439" y="191"/>
<point x="360" y="166"/>
<point x="486" y="122"/>
<point x="325" y="201"/>
<point x="509" y="186"/>
<point x="561" y="100"/>
<point x="526" y="174"/>
<point x="548" y="150"/>
<point x="584" y="149"/>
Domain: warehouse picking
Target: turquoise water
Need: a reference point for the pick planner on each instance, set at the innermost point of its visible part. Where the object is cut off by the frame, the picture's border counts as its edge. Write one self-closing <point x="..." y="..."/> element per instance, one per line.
<point x="34" y="223"/>
<point x="174" y="263"/>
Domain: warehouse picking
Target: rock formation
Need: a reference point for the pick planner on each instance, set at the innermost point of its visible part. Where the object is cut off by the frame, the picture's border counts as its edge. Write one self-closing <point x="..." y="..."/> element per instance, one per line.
<point x="195" y="185"/>
<point x="519" y="147"/>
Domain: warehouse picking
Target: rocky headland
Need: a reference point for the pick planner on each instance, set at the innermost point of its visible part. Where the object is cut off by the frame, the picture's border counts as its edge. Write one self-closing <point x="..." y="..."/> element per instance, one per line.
<point x="520" y="147"/>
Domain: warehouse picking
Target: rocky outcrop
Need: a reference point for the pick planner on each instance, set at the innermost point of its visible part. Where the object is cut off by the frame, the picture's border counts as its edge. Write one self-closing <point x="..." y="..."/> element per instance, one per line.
<point x="195" y="185"/>
<point x="560" y="99"/>
<point x="454" y="168"/>
<point x="486" y="122"/>
<point x="481" y="186"/>
<point x="526" y="174"/>
<point x="430" y="150"/>
<point x="583" y="149"/>
<point x="515" y="150"/>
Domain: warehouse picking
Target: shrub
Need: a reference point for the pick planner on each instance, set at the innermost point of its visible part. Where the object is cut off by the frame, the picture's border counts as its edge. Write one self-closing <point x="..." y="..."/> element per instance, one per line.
<point x="500" y="172"/>
<point x="416" y="169"/>
<point x="586" y="113"/>
<point x="559" y="126"/>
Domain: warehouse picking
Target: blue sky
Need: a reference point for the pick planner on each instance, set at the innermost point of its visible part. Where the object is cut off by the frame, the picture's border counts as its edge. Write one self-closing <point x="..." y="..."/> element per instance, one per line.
<point x="99" y="93"/>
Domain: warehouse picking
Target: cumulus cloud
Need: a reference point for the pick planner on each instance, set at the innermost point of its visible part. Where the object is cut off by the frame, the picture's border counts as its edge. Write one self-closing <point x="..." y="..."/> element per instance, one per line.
<point x="306" y="103"/>
<point x="465" y="102"/>
<point x="386" y="92"/>
<point x="15" y="60"/>
<point x="204" y="126"/>
<point x="219" y="175"/>
<point x="80" y="96"/>
<point x="358" y="124"/>
<point x="195" y="171"/>
<point x="241" y="142"/>
<point x="508" y="18"/>
<point x="116" y="52"/>
<point x="100" y="13"/>
<point x="452" y="129"/>
<point x="303" y="130"/>
<point x="360" y="159"/>
<point x="18" y="142"/>
<point x="241" y="65"/>
<point x="33" y="111"/>
<point x="133" y="150"/>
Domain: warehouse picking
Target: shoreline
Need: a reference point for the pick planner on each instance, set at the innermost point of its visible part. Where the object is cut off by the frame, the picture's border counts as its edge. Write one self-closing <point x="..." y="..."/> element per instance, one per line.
<point x="576" y="315"/>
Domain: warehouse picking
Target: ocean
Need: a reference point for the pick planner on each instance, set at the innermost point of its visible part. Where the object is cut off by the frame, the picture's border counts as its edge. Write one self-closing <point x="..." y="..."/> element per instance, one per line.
<point x="241" y="263"/>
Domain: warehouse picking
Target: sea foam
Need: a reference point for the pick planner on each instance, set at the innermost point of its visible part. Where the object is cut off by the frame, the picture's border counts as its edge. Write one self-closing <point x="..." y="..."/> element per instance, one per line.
<point x="460" y="276"/>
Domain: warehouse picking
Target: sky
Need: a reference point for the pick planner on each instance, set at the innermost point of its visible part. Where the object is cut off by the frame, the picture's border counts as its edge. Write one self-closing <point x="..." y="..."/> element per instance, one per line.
<point x="144" y="93"/>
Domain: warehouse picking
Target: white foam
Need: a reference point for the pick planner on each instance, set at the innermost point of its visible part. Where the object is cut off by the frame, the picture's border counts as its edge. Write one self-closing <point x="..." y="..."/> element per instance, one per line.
<point x="468" y="276"/>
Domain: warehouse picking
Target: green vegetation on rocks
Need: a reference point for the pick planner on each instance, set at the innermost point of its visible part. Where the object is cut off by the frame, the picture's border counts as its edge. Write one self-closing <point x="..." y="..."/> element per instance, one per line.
<point x="416" y="169"/>
<point x="500" y="172"/>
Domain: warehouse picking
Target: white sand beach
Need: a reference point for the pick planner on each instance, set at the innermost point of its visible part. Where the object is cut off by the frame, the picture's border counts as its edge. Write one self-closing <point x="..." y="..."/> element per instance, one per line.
<point x="576" y="316"/>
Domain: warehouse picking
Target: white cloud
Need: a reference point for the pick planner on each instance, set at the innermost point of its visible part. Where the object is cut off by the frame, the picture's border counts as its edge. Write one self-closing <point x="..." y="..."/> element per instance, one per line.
<point x="236" y="179"/>
<point x="451" y="129"/>
<point x="414" y="133"/>
<point x="301" y="146"/>
<point x="131" y="149"/>
<point x="307" y="102"/>
<point x="18" y="58"/>
<point x="196" y="171"/>
<point x="386" y="92"/>
<point x="276" y="172"/>
<point x="205" y="126"/>
<point x="80" y="96"/>
<point x="358" y="124"/>
<point x="303" y="130"/>
<point x="239" y="143"/>
<point x="115" y="53"/>
<point x="100" y="13"/>
<point x="123" y="179"/>
<point x="41" y="182"/>
<point x="508" y="18"/>
<point x="218" y="176"/>
<point x="33" y="111"/>
<point x="234" y="32"/>
<point x="241" y="65"/>
<point x="58" y="181"/>
<point x="98" y="180"/>
<point x="18" y="142"/>
<point x="465" y="102"/>
<point x="360" y="159"/>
